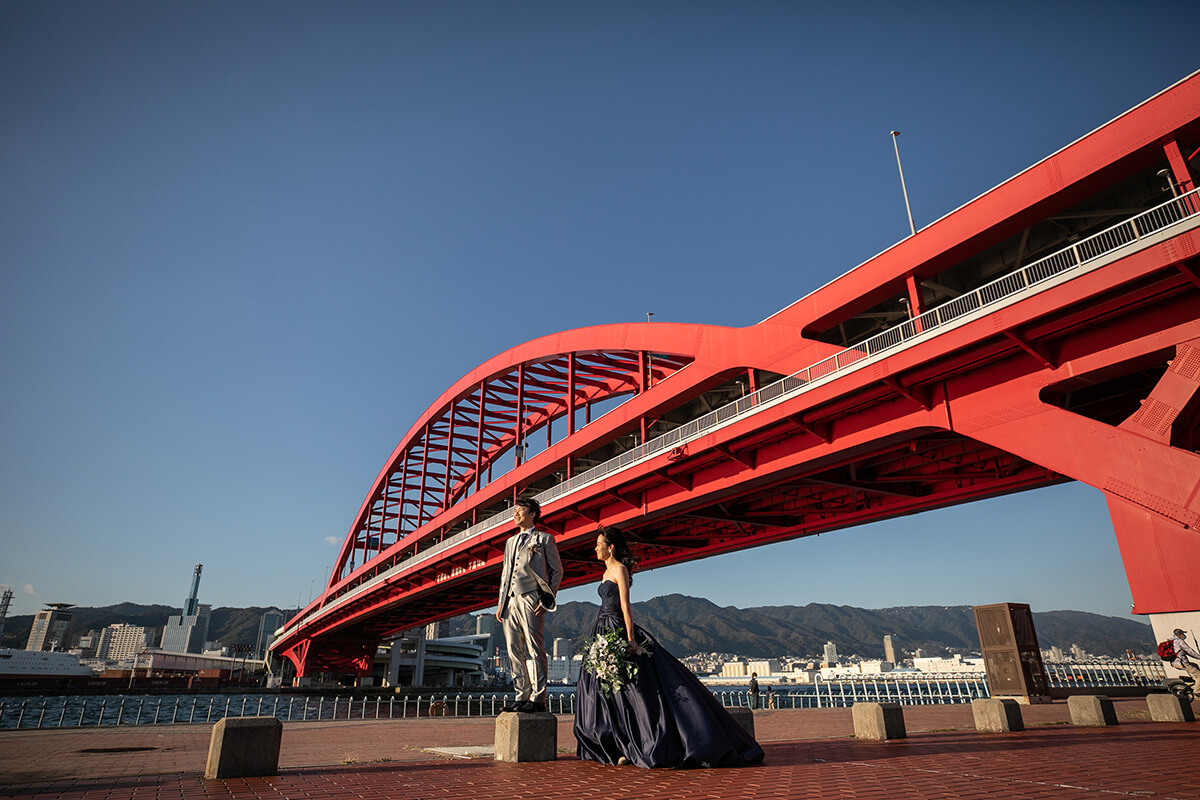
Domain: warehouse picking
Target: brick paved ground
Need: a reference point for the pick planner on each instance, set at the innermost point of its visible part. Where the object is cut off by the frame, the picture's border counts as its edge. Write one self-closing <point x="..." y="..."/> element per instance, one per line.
<point x="810" y="754"/>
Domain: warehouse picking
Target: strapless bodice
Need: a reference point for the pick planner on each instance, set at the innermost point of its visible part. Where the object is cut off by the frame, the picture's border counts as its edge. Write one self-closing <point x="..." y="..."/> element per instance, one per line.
<point x="610" y="598"/>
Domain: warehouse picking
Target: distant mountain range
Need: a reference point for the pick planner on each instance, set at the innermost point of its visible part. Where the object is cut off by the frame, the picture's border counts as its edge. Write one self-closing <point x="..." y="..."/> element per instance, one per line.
<point x="689" y="625"/>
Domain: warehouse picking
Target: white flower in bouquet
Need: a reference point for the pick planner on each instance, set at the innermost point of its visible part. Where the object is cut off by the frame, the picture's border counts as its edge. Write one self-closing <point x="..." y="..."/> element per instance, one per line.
<point x="609" y="657"/>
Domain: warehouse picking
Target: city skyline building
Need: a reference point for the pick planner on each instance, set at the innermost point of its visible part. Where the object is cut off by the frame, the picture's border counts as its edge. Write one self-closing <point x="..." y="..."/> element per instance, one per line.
<point x="831" y="655"/>
<point x="120" y="642"/>
<point x="52" y="628"/>
<point x="563" y="669"/>
<point x="187" y="632"/>
<point x="486" y="623"/>
<point x="86" y="644"/>
<point x="734" y="669"/>
<point x="764" y="666"/>
<point x="889" y="648"/>
<point x="270" y="622"/>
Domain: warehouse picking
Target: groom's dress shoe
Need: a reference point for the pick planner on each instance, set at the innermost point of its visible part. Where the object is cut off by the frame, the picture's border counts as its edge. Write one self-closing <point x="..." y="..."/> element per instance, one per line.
<point x="512" y="706"/>
<point x="531" y="707"/>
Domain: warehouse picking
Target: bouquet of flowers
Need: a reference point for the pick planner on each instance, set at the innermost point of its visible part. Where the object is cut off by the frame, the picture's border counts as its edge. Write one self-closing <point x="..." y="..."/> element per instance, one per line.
<point x="610" y="659"/>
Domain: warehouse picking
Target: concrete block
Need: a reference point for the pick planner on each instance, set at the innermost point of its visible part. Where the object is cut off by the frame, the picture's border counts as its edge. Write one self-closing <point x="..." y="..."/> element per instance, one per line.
<point x="1091" y="711"/>
<point x="997" y="715"/>
<point x="1167" y="707"/>
<point x="878" y="721"/>
<point x="244" y="747"/>
<point x="526" y="737"/>
<point x="1026" y="700"/>
<point x="743" y="716"/>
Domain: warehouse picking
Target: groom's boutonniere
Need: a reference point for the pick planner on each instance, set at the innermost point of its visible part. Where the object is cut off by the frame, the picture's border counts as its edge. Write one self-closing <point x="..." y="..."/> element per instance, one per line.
<point x="534" y="548"/>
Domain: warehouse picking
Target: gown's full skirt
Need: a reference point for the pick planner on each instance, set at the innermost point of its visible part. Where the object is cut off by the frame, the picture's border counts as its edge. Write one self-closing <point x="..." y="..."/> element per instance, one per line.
<point x="665" y="718"/>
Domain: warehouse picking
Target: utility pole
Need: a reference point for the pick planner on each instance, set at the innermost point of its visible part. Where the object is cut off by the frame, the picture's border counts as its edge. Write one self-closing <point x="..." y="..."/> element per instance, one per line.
<point x="903" y="188"/>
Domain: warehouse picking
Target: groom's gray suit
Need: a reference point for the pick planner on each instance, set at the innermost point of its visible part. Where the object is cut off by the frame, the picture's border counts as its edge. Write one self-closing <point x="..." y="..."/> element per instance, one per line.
<point x="531" y="575"/>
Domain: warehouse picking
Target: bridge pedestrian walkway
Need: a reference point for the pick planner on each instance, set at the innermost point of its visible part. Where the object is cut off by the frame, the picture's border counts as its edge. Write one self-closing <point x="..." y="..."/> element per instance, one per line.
<point x="811" y="753"/>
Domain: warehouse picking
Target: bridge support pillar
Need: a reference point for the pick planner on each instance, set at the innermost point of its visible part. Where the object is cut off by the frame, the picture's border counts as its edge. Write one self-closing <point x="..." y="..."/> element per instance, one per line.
<point x="1156" y="552"/>
<point x="1146" y="466"/>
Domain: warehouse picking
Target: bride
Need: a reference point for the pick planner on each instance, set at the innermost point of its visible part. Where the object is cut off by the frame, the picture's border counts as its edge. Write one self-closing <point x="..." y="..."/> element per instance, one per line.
<point x="664" y="716"/>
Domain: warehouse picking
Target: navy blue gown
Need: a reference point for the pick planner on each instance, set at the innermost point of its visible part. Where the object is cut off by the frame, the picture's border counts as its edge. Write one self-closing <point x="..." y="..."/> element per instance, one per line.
<point x="665" y="718"/>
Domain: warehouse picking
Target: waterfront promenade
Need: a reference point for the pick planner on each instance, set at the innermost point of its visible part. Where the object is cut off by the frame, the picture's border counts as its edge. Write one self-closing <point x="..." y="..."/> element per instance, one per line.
<point x="811" y="753"/>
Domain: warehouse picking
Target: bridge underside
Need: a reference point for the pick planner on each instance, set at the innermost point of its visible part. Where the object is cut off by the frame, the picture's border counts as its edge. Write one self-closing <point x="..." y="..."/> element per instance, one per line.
<point x="1027" y="407"/>
<point x="930" y="470"/>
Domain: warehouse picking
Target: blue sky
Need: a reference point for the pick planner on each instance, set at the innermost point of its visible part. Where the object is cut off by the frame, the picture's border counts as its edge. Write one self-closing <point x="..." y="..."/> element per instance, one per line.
<point x="244" y="245"/>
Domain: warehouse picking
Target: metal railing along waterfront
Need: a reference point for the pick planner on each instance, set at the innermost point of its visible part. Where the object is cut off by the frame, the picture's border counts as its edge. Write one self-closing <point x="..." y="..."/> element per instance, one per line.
<point x="101" y="711"/>
<point x="896" y="687"/>
<point x="1077" y="258"/>
<point x="98" y="711"/>
<point x="907" y="690"/>
<point x="1126" y="674"/>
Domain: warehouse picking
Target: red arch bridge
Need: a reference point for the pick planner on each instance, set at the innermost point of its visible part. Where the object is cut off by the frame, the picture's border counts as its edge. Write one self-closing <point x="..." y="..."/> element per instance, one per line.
<point x="1047" y="331"/>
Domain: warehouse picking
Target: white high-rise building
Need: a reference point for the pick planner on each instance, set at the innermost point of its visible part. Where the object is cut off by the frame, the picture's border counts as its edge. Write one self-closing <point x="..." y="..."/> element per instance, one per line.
<point x="831" y="657"/>
<point x="563" y="669"/>
<point x="120" y="642"/>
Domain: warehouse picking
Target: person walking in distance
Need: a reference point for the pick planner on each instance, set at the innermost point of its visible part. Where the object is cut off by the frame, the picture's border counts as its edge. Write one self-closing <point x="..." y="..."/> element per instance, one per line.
<point x="1182" y="652"/>
<point x="753" y="690"/>
<point x="528" y="584"/>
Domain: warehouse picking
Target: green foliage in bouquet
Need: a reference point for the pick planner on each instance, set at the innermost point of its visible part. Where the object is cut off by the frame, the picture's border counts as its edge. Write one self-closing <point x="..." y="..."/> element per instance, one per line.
<point x="610" y="659"/>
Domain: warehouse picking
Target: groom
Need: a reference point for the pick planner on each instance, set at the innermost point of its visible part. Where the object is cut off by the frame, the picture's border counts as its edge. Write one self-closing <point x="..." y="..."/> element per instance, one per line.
<point x="528" y="583"/>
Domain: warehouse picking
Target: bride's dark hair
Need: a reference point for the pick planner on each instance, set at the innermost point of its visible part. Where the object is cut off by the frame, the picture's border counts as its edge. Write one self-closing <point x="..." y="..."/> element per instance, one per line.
<point x="616" y="540"/>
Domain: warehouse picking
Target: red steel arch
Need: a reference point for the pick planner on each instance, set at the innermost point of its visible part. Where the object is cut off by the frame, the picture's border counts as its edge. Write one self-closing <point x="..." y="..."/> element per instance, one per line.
<point x="450" y="451"/>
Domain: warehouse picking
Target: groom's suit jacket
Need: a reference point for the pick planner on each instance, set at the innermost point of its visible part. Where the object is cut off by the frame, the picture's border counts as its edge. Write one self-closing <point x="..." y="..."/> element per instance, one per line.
<point x="532" y="565"/>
